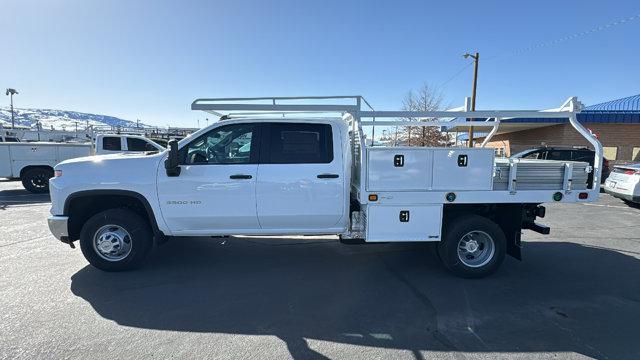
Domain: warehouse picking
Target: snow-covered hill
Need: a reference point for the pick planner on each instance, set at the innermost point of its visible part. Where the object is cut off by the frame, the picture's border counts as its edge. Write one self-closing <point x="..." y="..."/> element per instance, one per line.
<point x="61" y="119"/>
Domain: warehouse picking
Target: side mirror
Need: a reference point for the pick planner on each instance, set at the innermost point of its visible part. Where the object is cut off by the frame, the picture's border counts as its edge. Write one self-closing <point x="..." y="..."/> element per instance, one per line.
<point x="171" y="164"/>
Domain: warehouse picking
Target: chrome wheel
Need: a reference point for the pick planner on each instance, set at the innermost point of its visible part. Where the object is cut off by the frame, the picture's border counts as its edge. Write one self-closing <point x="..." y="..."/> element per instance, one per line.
<point x="476" y="249"/>
<point x="112" y="242"/>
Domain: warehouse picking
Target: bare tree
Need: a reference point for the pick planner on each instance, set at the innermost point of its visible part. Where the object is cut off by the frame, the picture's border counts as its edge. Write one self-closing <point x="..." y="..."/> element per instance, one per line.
<point x="425" y="98"/>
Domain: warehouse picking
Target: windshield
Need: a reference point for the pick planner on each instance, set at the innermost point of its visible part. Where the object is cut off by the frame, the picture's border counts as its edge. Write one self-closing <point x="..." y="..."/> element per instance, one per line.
<point x="161" y="142"/>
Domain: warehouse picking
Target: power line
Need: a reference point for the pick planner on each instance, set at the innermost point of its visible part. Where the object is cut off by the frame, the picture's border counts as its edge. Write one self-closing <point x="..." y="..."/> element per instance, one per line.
<point x="454" y="75"/>
<point x="570" y="37"/>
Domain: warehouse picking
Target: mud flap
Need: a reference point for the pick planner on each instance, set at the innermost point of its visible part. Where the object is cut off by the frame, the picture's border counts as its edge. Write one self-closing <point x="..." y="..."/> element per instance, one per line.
<point x="514" y="245"/>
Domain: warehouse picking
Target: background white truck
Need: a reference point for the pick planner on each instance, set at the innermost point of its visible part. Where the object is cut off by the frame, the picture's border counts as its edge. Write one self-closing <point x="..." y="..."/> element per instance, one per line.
<point x="266" y="174"/>
<point x="33" y="162"/>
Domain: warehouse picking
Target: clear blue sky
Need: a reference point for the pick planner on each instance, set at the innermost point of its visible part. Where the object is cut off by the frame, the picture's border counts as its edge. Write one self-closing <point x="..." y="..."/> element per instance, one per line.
<point x="150" y="59"/>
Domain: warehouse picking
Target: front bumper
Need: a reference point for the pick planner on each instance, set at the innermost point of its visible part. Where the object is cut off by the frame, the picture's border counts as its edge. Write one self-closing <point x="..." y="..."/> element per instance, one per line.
<point x="58" y="227"/>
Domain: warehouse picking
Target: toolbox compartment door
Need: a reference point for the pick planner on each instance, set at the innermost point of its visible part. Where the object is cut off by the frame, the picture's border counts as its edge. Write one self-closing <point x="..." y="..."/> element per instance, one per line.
<point x="388" y="223"/>
<point x="399" y="169"/>
<point x="463" y="169"/>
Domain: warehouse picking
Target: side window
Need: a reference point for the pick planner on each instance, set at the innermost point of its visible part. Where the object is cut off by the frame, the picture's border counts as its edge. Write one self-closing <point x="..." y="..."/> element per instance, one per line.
<point x="11" y="139"/>
<point x="111" y="143"/>
<point x="585" y="156"/>
<point x="559" y="155"/>
<point x="224" y="145"/>
<point x="135" y="144"/>
<point x="291" y="143"/>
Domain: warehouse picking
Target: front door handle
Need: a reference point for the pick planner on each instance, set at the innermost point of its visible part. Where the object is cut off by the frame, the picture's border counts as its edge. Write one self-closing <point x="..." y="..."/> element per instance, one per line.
<point x="239" y="176"/>
<point x="328" y="176"/>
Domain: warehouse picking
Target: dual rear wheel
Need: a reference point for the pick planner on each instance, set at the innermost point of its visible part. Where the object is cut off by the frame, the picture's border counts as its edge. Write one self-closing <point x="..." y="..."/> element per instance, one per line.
<point x="472" y="247"/>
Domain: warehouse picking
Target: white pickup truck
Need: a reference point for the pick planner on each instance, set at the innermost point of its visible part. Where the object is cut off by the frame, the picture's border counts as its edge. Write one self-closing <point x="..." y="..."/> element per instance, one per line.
<point x="262" y="174"/>
<point x="33" y="162"/>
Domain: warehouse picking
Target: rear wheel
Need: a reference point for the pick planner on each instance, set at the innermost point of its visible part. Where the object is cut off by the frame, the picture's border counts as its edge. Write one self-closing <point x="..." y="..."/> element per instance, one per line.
<point x="116" y="240"/>
<point x="36" y="180"/>
<point x="473" y="246"/>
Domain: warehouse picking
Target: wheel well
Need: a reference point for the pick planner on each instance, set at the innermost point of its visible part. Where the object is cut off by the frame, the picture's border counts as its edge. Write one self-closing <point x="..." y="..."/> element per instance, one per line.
<point x="80" y="208"/>
<point x="29" y="167"/>
<point x="509" y="217"/>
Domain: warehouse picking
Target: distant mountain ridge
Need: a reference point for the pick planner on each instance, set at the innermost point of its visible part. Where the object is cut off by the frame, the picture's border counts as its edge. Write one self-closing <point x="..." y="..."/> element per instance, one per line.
<point x="62" y="119"/>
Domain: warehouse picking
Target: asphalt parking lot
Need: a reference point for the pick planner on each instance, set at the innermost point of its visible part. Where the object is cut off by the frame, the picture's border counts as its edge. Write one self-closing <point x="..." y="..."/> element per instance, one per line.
<point x="576" y="294"/>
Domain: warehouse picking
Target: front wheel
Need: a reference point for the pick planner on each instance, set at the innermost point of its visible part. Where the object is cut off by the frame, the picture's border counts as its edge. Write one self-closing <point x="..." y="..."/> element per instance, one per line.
<point x="472" y="247"/>
<point x="116" y="240"/>
<point x="36" y="180"/>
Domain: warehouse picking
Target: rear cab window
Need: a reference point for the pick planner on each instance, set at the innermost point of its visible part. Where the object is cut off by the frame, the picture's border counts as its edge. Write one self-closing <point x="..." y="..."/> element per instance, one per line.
<point x="111" y="143"/>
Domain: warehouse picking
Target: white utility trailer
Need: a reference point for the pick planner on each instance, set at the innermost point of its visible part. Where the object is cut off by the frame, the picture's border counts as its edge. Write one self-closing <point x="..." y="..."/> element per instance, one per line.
<point x="302" y="166"/>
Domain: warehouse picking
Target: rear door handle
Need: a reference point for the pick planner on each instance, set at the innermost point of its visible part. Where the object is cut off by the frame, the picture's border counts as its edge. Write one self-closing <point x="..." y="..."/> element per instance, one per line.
<point x="328" y="176"/>
<point x="239" y="176"/>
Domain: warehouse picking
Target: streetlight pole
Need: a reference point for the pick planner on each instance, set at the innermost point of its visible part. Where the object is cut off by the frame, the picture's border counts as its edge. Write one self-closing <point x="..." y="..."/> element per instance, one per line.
<point x="11" y="92"/>
<point x="476" y="59"/>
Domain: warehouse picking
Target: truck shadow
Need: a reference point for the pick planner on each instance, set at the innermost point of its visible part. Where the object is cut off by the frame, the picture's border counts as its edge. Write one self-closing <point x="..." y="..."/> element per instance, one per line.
<point x="563" y="297"/>
<point x="21" y="197"/>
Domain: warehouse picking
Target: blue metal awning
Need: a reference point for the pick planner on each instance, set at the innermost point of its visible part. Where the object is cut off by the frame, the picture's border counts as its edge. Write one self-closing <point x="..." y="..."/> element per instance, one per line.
<point x="620" y="111"/>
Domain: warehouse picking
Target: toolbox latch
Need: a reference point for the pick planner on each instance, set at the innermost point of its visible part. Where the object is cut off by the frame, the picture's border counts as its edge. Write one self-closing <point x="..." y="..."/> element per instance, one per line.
<point x="463" y="160"/>
<point x="398" y="161"/>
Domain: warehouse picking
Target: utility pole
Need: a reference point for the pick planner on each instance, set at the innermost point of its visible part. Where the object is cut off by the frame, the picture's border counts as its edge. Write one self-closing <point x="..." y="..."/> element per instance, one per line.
<point x="475" y="58"/>
<point x="12" y="92"/>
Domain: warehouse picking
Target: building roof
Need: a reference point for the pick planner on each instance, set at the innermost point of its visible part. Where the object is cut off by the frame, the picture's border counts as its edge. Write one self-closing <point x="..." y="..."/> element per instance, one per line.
<point x="620" y="111"/>
<point x="631" y="103"/>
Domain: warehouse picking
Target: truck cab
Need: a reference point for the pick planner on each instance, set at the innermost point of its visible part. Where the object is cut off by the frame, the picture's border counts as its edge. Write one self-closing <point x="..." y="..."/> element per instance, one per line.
<point x="242" y="177"/>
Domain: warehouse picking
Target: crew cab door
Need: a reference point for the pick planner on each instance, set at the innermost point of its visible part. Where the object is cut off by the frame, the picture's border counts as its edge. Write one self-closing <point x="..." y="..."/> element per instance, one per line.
<point x="301" y="179"/>
<point x="215" y="192"/>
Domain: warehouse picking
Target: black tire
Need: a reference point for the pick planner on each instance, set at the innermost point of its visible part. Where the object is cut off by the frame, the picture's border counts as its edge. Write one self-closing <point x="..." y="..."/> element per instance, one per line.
<point x="36" y="180"/>
<point x="138" y="234"/>
<point x="480" y="227"/>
